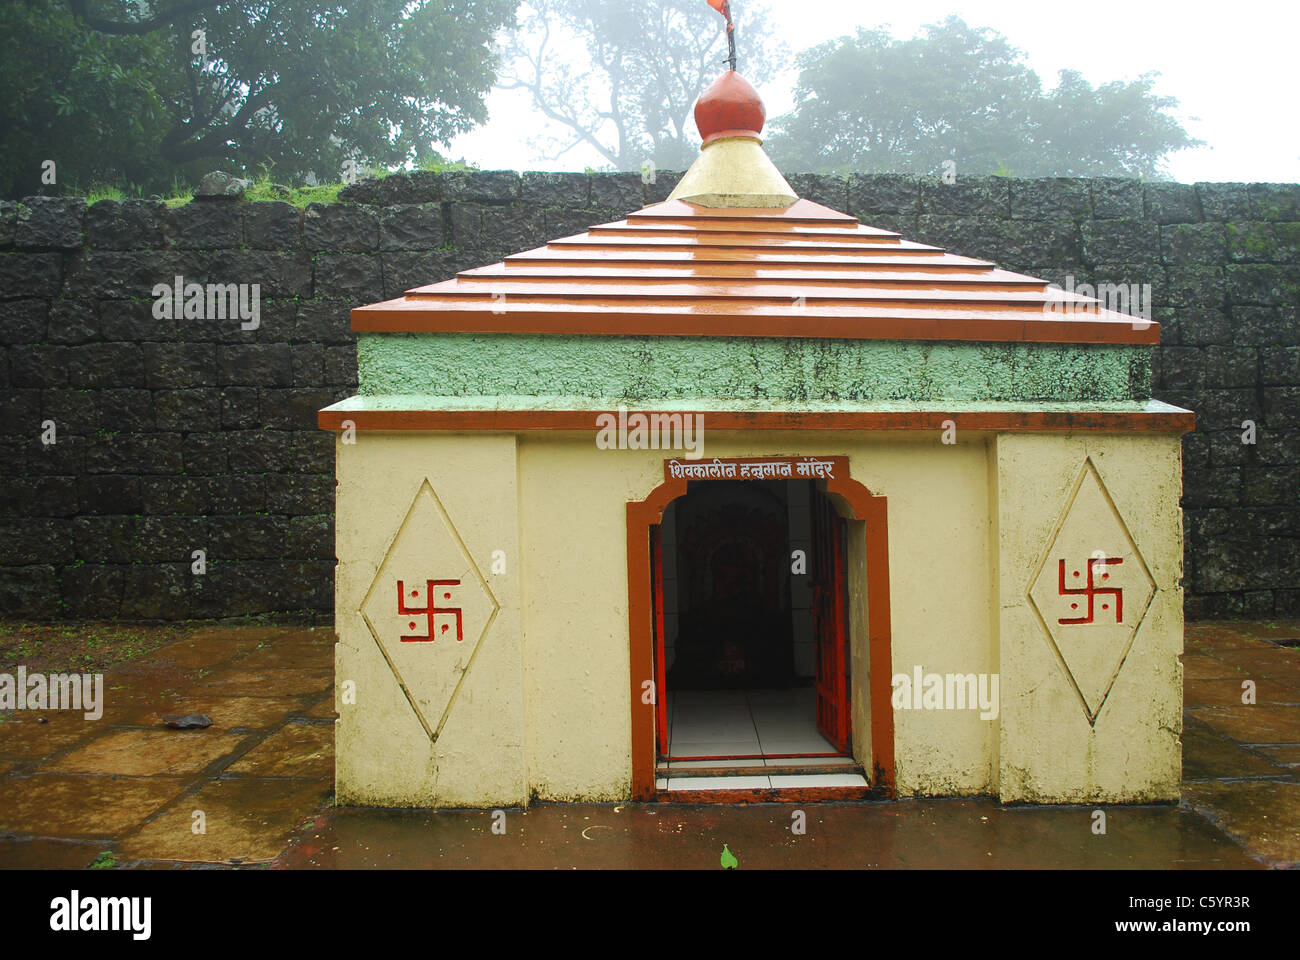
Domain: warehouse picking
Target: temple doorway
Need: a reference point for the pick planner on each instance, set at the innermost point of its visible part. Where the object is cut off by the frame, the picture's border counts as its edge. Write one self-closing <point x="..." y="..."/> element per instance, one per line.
<point x="751" y="628"/>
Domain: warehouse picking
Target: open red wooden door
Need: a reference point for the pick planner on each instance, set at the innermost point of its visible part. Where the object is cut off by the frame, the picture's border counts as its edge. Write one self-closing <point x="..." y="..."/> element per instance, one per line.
<point x="657" y="587"/>
<point x="829" y="618"/>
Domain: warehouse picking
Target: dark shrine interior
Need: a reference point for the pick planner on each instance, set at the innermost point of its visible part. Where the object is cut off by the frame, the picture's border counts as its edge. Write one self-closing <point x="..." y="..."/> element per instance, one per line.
<point x="733" y="587"/>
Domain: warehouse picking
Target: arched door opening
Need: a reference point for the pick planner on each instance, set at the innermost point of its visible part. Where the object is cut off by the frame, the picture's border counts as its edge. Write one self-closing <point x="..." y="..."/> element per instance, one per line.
<point x="751" y="614"/>
<point x="760" y="632"/>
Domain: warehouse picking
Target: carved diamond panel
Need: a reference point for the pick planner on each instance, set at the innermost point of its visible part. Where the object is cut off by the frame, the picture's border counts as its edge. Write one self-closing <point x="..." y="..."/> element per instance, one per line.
<point x="1091" y="590"/>
<point x="428" y="609"/>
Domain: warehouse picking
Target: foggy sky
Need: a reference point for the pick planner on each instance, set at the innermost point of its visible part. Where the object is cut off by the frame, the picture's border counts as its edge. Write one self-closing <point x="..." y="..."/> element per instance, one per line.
<point x="1231" y="68"/>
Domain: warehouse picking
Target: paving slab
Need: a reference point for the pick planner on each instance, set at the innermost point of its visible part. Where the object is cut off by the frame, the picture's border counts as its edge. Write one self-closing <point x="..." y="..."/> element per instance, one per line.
<point x="55" y="805"/>
<point x="1254" y="724"/>
<point x="1200" y="666"/>
<point x="1227" y="635"/>
<point x="147" y="753"/>
<point x="249" y="821"/>
<point x="1283" y="754"/>
<point x="1209" y="755"/>
<point x="1262" y="628"/>
<point x="324" y="709"/>
<point x="270" y="682"/>
<point x="312" y="650"/>
<point x="295" y="750"/>
<point x="1228" y="693"/>
<point x="41" y="853"/>
<point x="227" y="713"/>
<point x="1275" y="665"/>
<point x="203" y="651"/>
<point x="1264" y="815"/>
<point x="126" y="696"/>
<point x="1212" y="693"/>
<point x="243" y="634"/>
<point x="23" y="735"/>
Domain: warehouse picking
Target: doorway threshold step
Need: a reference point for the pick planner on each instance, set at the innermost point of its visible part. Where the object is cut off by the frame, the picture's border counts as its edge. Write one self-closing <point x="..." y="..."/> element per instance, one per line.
<point x="758" y="769"/>
<point x="806" y="788"/>
<point x="780" y="781"/>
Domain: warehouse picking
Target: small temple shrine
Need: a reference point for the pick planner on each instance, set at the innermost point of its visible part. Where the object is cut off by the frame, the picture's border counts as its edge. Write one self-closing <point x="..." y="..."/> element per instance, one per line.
<point x="741" y="499"/>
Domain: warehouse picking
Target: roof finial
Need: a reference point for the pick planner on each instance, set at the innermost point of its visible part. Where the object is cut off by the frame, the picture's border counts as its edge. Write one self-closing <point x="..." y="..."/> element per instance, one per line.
<point x="732" y="170"/>
<point x="724" y="7"/>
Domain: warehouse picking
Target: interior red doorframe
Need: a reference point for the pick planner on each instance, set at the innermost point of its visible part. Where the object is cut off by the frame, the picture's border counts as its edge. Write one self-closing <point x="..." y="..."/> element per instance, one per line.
<point x="644" y="514"/>
<point x="661" y="692"/>
<point x="830" y="620"/>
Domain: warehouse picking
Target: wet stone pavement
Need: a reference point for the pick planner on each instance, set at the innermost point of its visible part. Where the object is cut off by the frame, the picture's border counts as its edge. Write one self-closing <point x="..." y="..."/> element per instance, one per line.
<point x="127" y="791"/>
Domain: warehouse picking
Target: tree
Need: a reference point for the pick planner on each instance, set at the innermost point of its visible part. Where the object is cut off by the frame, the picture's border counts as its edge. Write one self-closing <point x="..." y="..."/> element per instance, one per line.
<point x="1116" y="129"/>
<point x="622" y="78"/>
<point x="297" y="85"/>
<point x="874" y="103"/>
<point x="85" y="102"/>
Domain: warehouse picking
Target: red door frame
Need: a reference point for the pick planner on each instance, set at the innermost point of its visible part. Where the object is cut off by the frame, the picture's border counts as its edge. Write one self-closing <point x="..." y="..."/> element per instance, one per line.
<point x="661" y="698"/>
<point x="830" y="620"/>
<point x="647" y="513"/>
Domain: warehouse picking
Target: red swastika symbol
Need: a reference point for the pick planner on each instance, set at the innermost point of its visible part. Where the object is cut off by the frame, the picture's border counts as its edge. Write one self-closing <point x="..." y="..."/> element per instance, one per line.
<point x="1092" y="591"/>
<point x="429" y="611"/>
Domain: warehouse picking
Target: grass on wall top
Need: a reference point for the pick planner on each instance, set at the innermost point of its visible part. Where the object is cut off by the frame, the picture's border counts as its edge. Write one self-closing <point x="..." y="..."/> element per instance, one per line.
<point x="264" y="189"/>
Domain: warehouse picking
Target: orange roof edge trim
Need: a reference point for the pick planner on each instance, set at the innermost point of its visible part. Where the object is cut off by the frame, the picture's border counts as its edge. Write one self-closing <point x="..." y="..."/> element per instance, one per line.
<point x="1163" y="421"/>
<point x="405" y="316"/>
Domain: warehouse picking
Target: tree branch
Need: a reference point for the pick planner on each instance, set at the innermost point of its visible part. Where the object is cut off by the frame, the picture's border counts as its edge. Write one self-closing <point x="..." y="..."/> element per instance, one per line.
<point x="81" y="10"/>
<point x="534" y="85"/>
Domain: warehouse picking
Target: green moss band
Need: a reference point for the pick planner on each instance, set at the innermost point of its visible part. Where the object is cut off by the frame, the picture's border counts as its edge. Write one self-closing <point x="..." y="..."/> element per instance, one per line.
<point x="638" y="368"/>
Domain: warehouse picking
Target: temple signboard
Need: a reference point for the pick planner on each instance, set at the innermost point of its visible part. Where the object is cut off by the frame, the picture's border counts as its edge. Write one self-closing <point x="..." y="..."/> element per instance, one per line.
<point x="757" y="468"/>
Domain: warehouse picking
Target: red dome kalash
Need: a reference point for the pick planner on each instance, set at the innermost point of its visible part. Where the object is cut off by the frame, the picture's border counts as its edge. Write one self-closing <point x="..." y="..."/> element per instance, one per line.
<point x="731" y="107"/>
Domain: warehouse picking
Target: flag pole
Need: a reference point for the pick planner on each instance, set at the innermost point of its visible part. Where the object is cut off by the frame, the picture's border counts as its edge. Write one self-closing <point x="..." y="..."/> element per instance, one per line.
<point x="724" y="7"/>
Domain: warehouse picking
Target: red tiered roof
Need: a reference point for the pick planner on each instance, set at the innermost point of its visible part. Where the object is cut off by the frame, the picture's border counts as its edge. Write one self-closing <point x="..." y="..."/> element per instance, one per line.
<point x="679" y="269"/>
